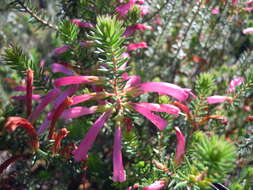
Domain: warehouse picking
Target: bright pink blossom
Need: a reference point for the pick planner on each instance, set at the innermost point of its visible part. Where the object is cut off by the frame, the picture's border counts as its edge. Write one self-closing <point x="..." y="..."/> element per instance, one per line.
<point x="180" y="146"/>
<point x="122" y="10"/>
<point x="131" y="29"/>
<point x="157" y="185"/>
<point x="59" y="68"/>
<point x="218" y="99"/>
<point x="234" y="83"/>
<point x="234" y="2"/>
<point x="61" y="50"/>
<point x="248" y="9"/>
<point x="81" y="152"/>
<point x="168" y="108"/>
<point x="75" y="80"/>
<point x="132" y="47"/>
<point x="215" y="10"/>
<point x="78" y="111"/>
<point x="119" y="173"/>
<point x="144" y="10"/>
<point x="81" y="24"/>
<point x="249" y="2"/>
<point x="173" y="90"/>
<point x="44" y="102"/>
<point x="248" y="30"/>
<point x="155" y="119"/>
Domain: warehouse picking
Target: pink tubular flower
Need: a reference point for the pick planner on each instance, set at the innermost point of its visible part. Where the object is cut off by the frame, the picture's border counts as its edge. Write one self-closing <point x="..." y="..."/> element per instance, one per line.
<point x="155" y="119"/>
<point x="131" y="29"/>
<point x="173" y="90"/>
<point x="59" y="68"/>
<point x="60" y="50"/>
<point x="144" y="10"/>
<point x="248" y="30"/>
<point x="29" y="91"/>
<point x="81" y="24"/>
<point x="218" y="99"/>
<point x="157" y="185"/>
<point x="180" y="146"/>
<point x="248" y="9"/>
<point x="75" y="80"/>
<point x="234" y="2"/>
<point x="122" y="10"/>
<point x="34" y="97"/>
<point x="78" y="111"/>
<point x="118" y="169"/>
<point x="215" y="11"/>
<point x="249" y="2"/>
<point x="44" y="102"/>
<point x="170" y="109"/>
<point x="20" y="88"/>
<point x="81" y="152"/>
<point x="132" y="47"/>
<point x="61" y="134"/>
<point x="234" y="83"/>
<point x="131" y="81"/>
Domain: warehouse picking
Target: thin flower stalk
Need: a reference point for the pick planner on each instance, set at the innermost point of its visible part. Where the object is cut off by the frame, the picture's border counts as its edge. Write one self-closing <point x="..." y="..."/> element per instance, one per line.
<point x="29" y="91"/>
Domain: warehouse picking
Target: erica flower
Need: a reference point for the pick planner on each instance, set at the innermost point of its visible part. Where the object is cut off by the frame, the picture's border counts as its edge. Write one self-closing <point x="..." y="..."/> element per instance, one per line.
<point x="132" y="47"/>
<point x="44" y="102"/>
<point x="180" y="146"/>
<point x="248" y="30"/>
<point x="218" y="99"/>
<point x="215" y="11"/>
<point x="82" y="24"/>
<point x="13" y="123"/>
<point x="60" y="50"/>
<point x="173" y="90"/>
<point x="59" y="68"/>
<point x="234" y="83"/>
<point x="131" y="29"/>
<point x="122" y="10"/>
<point x="146" y="110"/>
<point x="75" y="80"/>
<point x="156" y="185"/>
<point x="81" y="152"/>
<point x="248" y="9"/>
<point x="249" y="2"/>
<point x="118" y="169"/>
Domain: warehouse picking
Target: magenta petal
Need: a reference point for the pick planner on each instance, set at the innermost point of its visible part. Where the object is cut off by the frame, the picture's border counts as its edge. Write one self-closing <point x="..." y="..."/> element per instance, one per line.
<point x="20" y="88"/>
<point x="180" y="146"/>
<point x="118" y="169"/>
<point x="81" y="98"/>
<point x="165" y="88"/>
<point x="168" y="108"/>
<point x="44" y="102"/>
<point x="155" y="119"/>
<point x="34" y="97"/>
<point x="74" y="80"/>
<point x="81" y="152"/>
<point x="217" y="99"/>
<point x="59" y="68"/>
<point x="132" y="47"/>
<point x="82" y="24"/>
<point x="132" y="80"/>
<point x="65" y="94"/>
<point x="122" y="10"/>
<point x="78" y="111"/>
<point x="157" y="185"/>
<point x="248" y="30"/>
<point x="60" y="50"/>
<point x="43" y="126"/>
<point x="234" y="83"/>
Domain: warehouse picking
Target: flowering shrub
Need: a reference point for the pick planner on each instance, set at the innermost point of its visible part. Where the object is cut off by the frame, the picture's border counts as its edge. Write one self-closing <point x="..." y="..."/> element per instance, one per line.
<point x="132" y="95"/>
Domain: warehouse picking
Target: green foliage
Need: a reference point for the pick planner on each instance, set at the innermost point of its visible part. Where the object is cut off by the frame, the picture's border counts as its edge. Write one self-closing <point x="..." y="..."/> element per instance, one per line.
<point x="68" y="31"/>
<point x="213" y="155"/>
<point x="108" y="38"/>
<point x="205" y="85"/>
<point x="16" y="59"/>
